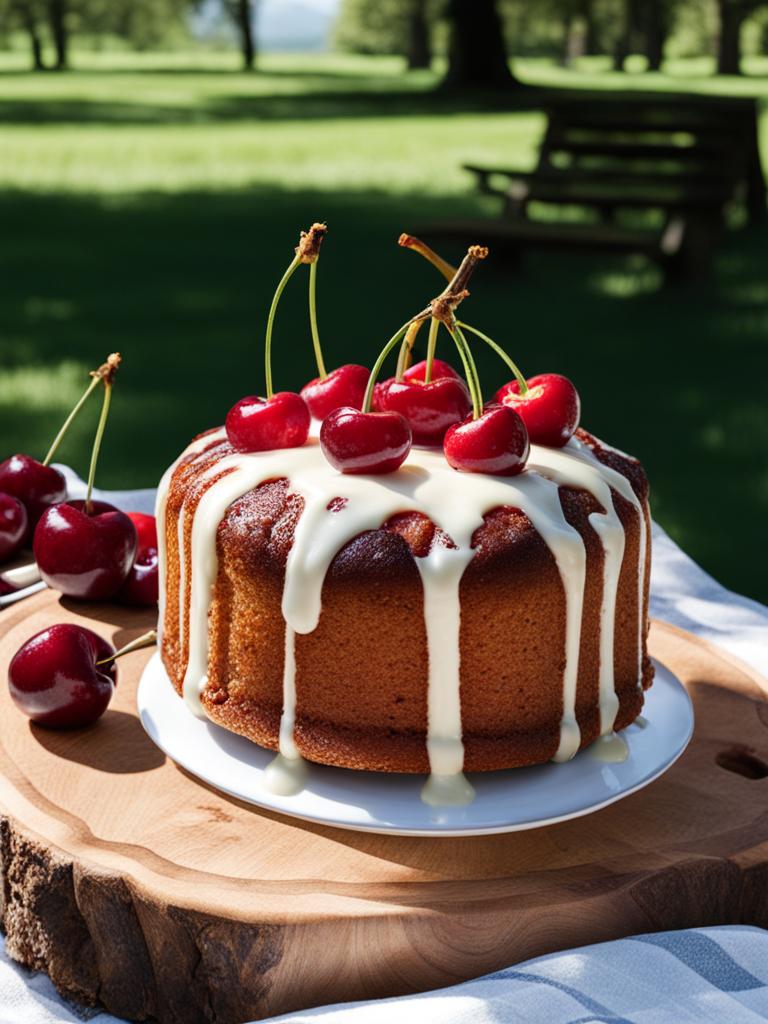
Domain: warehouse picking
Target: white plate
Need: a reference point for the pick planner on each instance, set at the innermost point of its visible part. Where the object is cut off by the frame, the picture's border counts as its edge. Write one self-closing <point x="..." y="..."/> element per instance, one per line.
<point x="506" y="801"/>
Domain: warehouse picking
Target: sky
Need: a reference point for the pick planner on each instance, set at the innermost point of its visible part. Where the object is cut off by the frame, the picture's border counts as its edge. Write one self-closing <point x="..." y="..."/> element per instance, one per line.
<point x="280" y="24"/>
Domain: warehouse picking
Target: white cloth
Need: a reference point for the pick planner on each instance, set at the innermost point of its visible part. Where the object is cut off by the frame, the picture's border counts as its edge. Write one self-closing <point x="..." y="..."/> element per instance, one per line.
<point x="701" y="976"/>
<point x="712" y="975"/>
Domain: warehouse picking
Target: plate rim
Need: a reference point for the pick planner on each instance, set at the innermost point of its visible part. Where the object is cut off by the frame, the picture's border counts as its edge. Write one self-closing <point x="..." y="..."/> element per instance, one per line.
<point x="155" y="666"/>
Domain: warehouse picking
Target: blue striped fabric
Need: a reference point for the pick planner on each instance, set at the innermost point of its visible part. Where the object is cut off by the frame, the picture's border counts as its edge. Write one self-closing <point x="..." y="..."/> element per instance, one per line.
<point x="696" y="976"/>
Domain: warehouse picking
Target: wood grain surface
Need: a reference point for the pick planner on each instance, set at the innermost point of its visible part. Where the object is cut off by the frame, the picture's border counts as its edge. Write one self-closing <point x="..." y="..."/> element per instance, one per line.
<point x="138" y="888"/>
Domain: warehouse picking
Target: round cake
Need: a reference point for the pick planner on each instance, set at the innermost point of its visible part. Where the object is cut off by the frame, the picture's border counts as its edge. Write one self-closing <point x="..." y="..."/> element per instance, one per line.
<point x="418" y="621"/>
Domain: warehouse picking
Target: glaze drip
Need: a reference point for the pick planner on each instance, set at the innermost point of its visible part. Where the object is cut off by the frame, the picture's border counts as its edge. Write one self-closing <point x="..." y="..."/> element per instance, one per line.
<point x="456" y="505"/>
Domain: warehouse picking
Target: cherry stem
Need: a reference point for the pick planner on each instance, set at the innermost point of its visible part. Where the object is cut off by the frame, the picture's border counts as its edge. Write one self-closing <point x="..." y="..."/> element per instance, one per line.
<point x="313" y="320"/>
<point x="69" y="420"/>
<point x="271" y="320"/>
<point x="406" y="349"/>
<point x="368" y="399"/>
<point x="434" y="326"/>
<point x="470" y="369"/>
<point x="522" y="383"/>
<point x="411" y="242"/>
<point x="146" y="640"/>
<point x="97" y="444"/>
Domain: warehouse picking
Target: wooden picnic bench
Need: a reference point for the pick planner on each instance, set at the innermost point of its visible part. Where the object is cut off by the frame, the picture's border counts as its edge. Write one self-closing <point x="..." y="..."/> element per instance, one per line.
<point x="673" y="165"/>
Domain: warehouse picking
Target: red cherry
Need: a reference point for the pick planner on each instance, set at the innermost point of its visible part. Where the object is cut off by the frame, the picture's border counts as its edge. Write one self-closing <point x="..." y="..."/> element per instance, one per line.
<point x="14" y="524"/>
<point x="440" y="368"/>
<point x="496" y="443"/>
<point x="85" y="555"/>
<point x="141" y="585"/>
<point x="35" y="485"/>
<point x="550" y="409"/>
<point x="343" y="386"/>
<point x="415" y="373"/>
<point x="262" y="424"/>
<point x="429" y="408"/>
<point x="54" y="678"/>
<point x="146" y="529"/>
<point x="365" y="442"/>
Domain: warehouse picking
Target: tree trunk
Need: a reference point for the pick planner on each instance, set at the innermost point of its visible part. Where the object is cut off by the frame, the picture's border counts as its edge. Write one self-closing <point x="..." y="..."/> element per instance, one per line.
<point x="57" y="17"/>
<point x="477" y="56"/>
<point x="655" y="33"/>
<point x="587" y="14"/>
<point x="242" y="12"/>
<point x="624" y="43"/>
<point x="419" y="50"/>
<point x="732" y="14"/>
<point x="29" y="20"/>
<point x="574" y="41"/>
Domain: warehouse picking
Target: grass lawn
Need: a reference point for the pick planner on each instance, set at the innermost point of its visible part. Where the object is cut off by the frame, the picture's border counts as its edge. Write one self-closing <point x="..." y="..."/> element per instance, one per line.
<point x="149" y="204"/>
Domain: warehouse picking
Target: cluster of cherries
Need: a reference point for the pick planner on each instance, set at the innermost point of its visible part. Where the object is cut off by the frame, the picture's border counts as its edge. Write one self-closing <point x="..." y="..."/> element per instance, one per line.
<point x="64" y="676"/>
<point x="84" y="548"/>
<point x="370" y="427"/>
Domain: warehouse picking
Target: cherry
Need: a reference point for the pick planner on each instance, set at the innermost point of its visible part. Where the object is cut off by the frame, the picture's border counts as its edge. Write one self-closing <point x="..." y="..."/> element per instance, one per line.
<point x="342" y="386"/>
<point x="282" y="419"/>
<point x="85" y="549"/>
<point x="495" y="442"/>
<point x="14" y="524"/>
<point x="378" y="442"/>
<point x="429" y="408"/>
<point x="261" y="424"/>
<point x="440" y="368"/>
<point x="141" y="584"/>
<point x="35" y="484"/>
<point x="365" y="442"/>
<point x="550" y="408"/>
<point x="56" y="680"/>
<point x="146" y="529"/>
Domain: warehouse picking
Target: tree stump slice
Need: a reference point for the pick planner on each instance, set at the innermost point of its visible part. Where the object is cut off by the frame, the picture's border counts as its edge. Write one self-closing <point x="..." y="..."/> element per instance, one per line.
<point x="138" y="888"/>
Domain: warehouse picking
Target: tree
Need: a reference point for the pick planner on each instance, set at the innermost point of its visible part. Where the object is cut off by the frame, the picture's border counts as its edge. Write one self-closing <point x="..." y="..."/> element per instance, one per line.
<point x="579" y="28"/>
<point x="419" y="51"/>
<point x="143" y="24"/>
<point x="243" y="14"/>
<point x="732" y="14"/>
<point x="30" y="15"/>
<point x="477" y="54"/>
<point x="658" y="18"/>
<point x="58" y="21"/>
<point x="627" y="32"/>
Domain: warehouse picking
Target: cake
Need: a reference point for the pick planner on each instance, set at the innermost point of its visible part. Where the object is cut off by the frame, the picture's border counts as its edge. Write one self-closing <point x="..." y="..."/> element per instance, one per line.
<point x="421" y="621"/>
<point x="344" y="597"/>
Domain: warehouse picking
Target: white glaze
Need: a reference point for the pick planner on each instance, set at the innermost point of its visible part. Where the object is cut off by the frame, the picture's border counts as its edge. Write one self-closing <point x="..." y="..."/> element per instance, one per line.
<point x="447" y="790"/>
<point x="455" y="503"/>
<point x="623" y="487"/>
<point x="285" y="776"/>
<point x="161" y="501"/>
<point x="287" y="745"/>
<point x="610" y="749"/>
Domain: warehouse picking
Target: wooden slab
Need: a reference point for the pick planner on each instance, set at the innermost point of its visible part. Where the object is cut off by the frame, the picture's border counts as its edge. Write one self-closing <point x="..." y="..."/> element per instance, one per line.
<point x="137" y="887"/>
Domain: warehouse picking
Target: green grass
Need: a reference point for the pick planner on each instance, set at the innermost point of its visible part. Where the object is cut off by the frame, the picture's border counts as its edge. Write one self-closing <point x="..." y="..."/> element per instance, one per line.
<point x="149" y="204"/>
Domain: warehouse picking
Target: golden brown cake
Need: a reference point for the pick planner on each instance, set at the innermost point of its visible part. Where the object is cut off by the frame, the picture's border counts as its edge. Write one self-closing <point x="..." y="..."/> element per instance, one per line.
<point x="424" y="619"/>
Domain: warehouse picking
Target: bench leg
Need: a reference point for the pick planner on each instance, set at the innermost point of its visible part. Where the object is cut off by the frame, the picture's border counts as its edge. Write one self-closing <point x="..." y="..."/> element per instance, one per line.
<point x="690" y="261"/>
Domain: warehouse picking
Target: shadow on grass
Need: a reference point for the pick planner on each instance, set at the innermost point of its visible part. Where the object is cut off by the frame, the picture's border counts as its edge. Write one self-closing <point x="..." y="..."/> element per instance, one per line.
<point x="180" y="284"/>
<point x="364" y="97"/>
